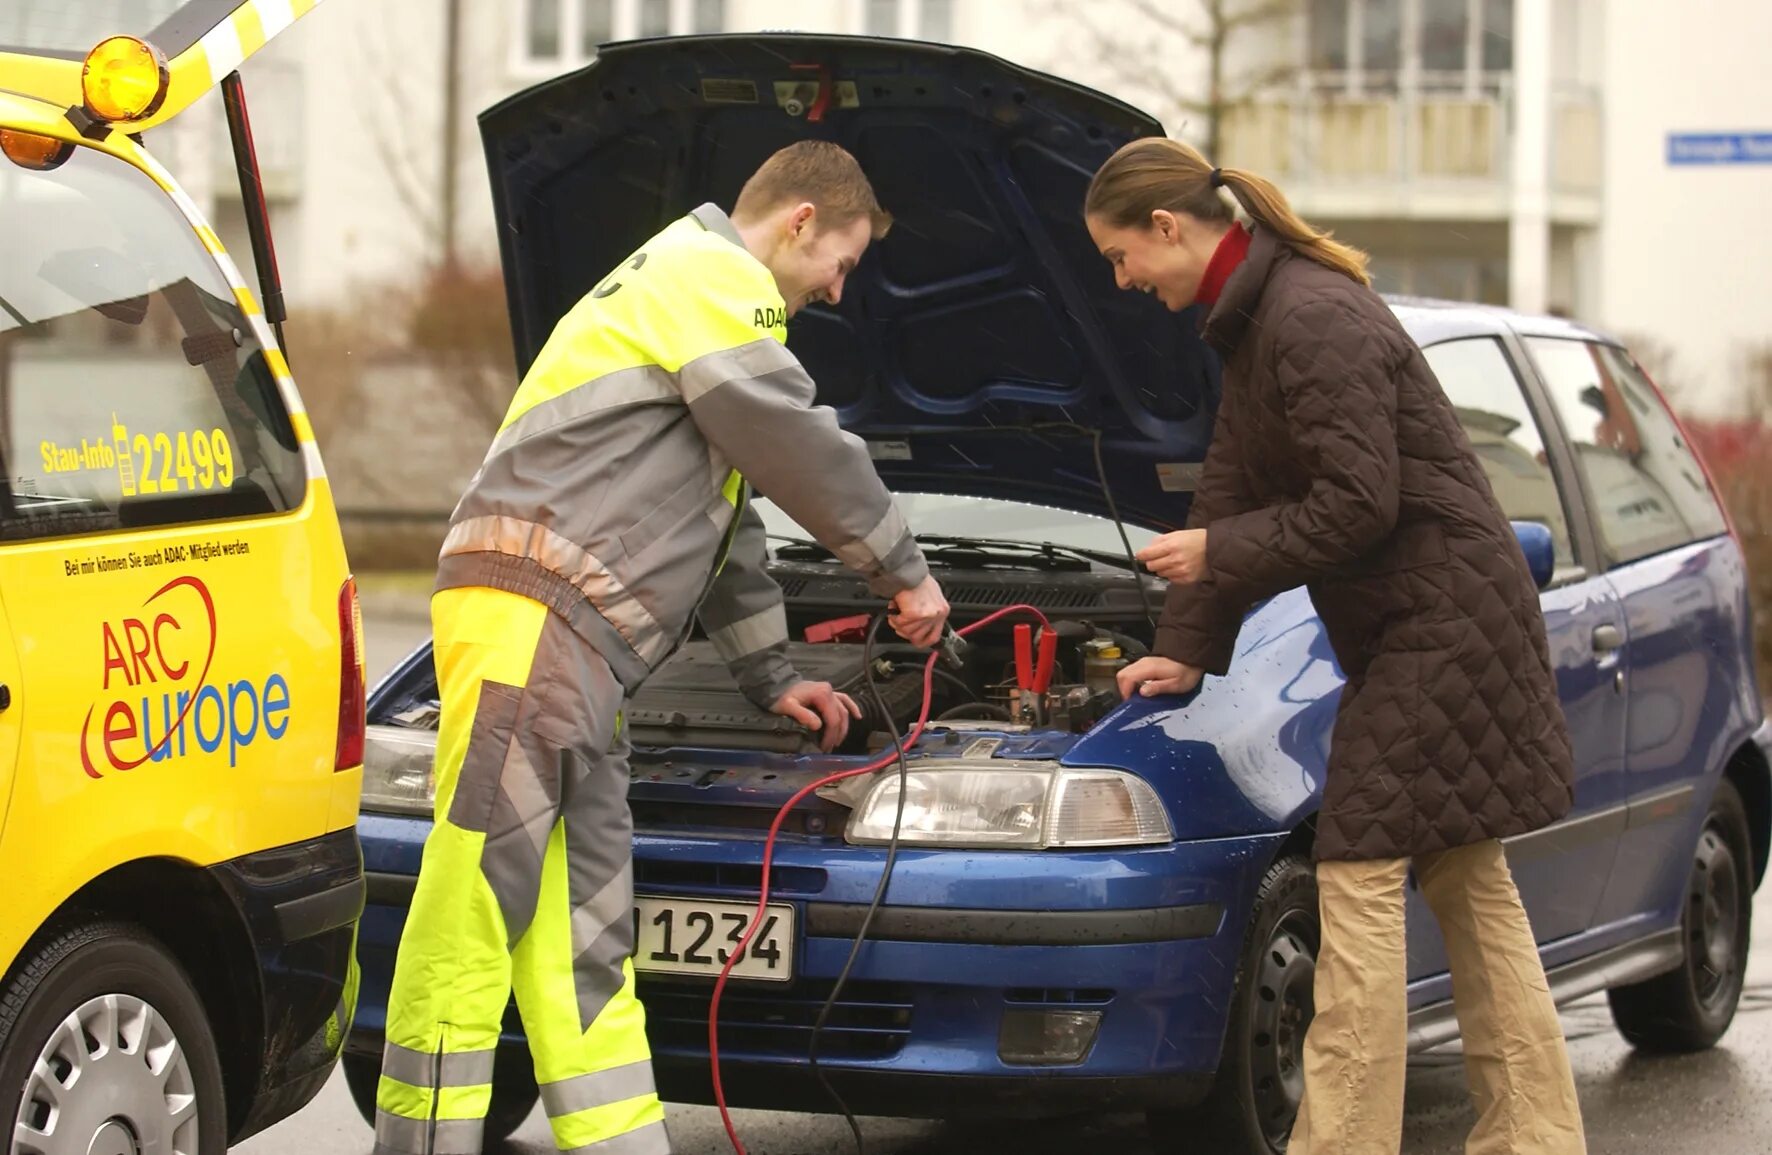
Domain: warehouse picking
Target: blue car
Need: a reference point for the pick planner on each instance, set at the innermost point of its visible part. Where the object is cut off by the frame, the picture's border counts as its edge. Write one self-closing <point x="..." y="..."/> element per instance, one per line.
<point x="1096" y="905"/>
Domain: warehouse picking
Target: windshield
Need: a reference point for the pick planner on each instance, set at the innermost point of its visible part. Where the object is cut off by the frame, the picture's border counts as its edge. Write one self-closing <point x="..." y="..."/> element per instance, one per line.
<point x="132" y="390"/>
<point x="952" y="515"/>
<point x="74" y="26"/>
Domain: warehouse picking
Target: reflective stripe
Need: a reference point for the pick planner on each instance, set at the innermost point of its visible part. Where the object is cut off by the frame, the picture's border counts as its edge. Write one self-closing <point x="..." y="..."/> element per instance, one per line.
<point x="598" y="1089"/>
<point x="750" y="635"/>
<point x="707" y="373"/>
<point x="733" y="485"/>
<point x="512" y="536"/>
<point x="398" y="1135"/>
<point x="714" y="220"/>
<point x="636" y="386"/>
<point x="651" y="1139"/>
<point x="614" y="901"/>
<point x="871" y="550"/>
<point x="460" y="1069"/>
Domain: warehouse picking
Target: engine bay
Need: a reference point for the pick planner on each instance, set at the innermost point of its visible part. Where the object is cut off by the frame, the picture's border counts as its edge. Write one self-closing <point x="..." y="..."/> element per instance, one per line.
<point x="1099" y="624"/>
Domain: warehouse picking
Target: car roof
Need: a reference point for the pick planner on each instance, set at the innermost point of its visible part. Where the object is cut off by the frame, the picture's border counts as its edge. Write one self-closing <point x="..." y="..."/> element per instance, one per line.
<point x="1429" y="319"/>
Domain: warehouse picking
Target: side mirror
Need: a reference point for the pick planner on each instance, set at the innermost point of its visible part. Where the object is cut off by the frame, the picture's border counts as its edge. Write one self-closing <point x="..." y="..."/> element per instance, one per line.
<point x="1540" y="550"/>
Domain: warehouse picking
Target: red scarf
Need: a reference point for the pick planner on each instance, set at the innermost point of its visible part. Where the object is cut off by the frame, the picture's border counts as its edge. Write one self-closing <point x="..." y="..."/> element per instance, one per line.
<point x="1225" y="259"/>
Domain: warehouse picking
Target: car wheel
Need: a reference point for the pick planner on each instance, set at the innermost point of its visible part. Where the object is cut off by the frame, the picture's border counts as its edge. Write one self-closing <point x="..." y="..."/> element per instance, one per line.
<point x="1688" y="1009"/>
<point x="513" y="1091"/>
<point x="105" y="1049"/>
<point x="1260" y="1080"/>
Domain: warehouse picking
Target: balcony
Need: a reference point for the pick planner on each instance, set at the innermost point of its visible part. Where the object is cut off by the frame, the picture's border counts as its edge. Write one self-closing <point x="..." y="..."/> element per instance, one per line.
<point x="1348" y="146"/>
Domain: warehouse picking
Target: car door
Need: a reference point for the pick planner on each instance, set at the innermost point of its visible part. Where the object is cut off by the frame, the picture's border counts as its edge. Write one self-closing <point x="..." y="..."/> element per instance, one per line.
<point x="1561" y="871"/>
<point x="11" y="709"/>
<point x="1663" y="540"/>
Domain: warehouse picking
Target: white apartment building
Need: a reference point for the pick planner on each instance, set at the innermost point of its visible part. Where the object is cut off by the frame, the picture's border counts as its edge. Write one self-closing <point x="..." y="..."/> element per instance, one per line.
<point x="1609" y="159"/>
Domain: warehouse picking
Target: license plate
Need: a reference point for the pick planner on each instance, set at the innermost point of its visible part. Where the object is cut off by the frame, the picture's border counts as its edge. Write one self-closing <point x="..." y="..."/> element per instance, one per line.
<point x="687" y="936"/>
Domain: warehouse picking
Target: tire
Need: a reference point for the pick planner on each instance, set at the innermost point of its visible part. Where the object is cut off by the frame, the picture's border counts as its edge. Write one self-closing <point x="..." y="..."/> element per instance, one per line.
<point x="1690" y="1008"/>
<point x="1255" y="1095"/>
<point x="513" y="1091"/>
<point x="102" y="1022"/>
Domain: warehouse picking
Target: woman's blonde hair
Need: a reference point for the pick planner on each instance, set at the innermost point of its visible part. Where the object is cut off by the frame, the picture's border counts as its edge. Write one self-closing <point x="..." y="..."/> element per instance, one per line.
<point x="1158" y="173"/>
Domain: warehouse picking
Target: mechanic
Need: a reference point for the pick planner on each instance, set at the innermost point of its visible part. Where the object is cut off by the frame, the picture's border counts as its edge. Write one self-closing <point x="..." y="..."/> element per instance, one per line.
<point x="611" y="506"/>
<point x="1338" y="463"/>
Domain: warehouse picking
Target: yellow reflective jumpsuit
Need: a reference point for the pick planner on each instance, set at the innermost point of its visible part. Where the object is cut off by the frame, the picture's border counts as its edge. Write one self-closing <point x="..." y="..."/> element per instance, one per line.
<point x="610" y="508"/>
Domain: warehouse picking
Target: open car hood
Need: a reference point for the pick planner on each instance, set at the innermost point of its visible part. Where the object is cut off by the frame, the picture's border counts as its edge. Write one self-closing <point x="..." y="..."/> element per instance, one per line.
<point x="982" y="346"/>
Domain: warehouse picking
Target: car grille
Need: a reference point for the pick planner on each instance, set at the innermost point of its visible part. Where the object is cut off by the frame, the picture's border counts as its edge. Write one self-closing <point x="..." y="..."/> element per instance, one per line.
<point x="721" y="877"/>
<point x="870" y="1021"/>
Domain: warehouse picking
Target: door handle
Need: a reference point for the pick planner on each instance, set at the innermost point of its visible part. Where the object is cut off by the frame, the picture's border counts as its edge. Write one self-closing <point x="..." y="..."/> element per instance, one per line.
<point x="1606" y="639"/>
<point x="5" y="697"/>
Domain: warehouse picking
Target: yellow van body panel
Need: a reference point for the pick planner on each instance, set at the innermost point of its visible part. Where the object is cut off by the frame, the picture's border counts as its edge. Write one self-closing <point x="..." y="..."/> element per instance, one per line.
<point x="174" y="690"/>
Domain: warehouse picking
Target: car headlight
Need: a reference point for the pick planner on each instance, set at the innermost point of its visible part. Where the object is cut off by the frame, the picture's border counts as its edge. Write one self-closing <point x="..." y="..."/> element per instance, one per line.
<point x="397" y="770"/>
<point x="1017" y="805"/>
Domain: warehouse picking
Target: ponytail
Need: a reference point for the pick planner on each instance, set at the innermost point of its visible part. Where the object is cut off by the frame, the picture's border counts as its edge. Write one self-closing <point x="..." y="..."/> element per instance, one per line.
<point x="1158" y="173"/>
<point x="1267" y="206"/>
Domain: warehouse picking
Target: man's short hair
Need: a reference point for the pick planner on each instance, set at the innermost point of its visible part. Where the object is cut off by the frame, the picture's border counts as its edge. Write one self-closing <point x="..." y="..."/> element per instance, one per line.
<point x="820" y="173"/>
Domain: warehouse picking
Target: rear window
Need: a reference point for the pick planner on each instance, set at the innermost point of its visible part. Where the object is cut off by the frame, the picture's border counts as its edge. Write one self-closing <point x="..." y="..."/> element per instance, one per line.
<point x="132" y="391"/>
<point x="1648" y="490"/>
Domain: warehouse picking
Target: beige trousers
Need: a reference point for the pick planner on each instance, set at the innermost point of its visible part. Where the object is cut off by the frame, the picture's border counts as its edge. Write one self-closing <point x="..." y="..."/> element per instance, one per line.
<point x="1355" y="1050"/>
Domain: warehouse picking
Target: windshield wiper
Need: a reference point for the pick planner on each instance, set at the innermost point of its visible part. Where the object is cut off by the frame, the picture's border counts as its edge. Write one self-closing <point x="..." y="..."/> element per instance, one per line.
<point x="1040" y="555"/>
<point x="978" y="552"/>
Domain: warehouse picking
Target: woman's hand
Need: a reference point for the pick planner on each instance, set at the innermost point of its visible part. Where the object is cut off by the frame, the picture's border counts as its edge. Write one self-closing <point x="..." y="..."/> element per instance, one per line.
<point x="1178" y="556"/>
<point x="1153" y="675"/>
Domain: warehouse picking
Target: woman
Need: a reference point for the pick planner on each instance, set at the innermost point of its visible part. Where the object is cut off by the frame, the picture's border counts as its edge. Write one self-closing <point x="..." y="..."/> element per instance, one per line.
<point x="1338" y="463"/>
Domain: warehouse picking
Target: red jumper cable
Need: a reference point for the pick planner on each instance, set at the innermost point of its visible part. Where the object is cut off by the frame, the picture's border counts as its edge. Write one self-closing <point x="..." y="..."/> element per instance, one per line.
<point x="781" y="816"/>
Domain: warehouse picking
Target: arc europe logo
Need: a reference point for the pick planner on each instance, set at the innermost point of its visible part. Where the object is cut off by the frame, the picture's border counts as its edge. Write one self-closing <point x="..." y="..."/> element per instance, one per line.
<point x="152" y="656"/>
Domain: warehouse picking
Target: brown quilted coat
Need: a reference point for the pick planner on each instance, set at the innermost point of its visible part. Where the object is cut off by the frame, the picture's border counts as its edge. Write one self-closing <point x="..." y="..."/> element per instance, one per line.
<point x="1338" y="463"/>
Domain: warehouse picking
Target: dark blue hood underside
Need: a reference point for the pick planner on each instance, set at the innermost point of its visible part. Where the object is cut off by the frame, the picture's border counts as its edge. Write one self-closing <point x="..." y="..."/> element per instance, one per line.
<point x="981" y="346"/>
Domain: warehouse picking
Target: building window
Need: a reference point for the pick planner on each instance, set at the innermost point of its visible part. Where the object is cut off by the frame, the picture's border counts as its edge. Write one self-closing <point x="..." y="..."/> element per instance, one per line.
<point x="553" y="35"/>
<point x="1498" y="35"/>
<point x="1328" y="35"/>
<point x="938" y="20"/>
<point x="882" y="17"/>
<point x="1381" y="37"/>
<point x="543" y="40"/>
<point x="655" y="17"/>
<point x="596" y="25"/>
<point x="1457" y="40"/>
<point x="1445" y="34"/>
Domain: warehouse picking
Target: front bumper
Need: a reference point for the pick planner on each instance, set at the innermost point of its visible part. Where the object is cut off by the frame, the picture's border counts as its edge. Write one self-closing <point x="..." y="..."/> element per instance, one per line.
<point x="1144" y="942"/>
<point x="300" y="904"/>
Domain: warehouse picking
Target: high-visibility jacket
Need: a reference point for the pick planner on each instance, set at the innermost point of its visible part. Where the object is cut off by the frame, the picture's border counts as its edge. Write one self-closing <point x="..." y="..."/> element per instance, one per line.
<point x="615" y="490"/>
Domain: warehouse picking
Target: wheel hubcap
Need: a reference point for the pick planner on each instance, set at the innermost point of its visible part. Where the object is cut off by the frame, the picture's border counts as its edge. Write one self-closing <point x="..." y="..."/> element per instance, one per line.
<point x="111" y="1080"/>
<point x="1282" y="1011"/>
<point x="1713" y="920"/>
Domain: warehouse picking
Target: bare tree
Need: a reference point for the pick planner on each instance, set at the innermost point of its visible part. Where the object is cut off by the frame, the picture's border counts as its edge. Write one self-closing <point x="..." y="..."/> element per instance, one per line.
<point x="1134" y="44"/>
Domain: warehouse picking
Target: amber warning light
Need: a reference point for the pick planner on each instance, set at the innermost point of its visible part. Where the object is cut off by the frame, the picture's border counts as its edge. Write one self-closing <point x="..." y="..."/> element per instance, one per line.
<point x="125" y="79"/>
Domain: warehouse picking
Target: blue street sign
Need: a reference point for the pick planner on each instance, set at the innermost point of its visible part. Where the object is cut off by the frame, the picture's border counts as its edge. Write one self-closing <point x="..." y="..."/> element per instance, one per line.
<point x="1719" y="148"/>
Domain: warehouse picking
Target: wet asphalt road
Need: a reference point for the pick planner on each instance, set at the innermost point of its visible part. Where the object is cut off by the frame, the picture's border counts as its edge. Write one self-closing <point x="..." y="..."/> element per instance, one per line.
<point x="1715" y="1103"/>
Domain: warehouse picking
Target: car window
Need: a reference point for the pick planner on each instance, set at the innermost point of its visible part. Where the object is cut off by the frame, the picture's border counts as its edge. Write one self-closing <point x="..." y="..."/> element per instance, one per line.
<point x="1480" y="381"/>
<point x="955" y="515"/>
<point x="1648" y="491"/>
<point x="132" y="391"/>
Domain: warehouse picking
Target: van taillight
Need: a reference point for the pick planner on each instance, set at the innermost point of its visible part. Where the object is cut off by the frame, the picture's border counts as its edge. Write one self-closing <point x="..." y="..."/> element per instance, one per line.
<point x="353" y="691"/>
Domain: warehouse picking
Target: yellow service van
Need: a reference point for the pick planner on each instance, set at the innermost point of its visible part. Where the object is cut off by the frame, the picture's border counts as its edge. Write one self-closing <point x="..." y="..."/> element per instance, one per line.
<point x="181" y="658"/>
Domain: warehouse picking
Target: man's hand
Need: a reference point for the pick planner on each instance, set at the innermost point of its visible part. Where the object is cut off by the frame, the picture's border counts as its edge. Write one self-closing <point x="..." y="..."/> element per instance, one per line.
<point x="1178" y="556"/>
<point x="1153" y="675"/>
<point x="919" y="613"/>
<point x="819" y="708"/>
